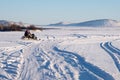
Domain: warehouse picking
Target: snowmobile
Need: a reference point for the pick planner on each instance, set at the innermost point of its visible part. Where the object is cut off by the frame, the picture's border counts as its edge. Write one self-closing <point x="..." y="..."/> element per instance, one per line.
<point x="28" y="35"/>
<point x="32" y="36"/>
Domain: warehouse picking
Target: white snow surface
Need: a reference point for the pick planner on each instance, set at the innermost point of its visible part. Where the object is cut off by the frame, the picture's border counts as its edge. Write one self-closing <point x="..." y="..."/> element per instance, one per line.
<point x="61" y="54"/>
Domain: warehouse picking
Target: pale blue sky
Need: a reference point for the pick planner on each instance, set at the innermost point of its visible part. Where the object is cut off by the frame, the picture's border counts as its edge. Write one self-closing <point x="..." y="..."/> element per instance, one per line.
<point x="52" y="11"/>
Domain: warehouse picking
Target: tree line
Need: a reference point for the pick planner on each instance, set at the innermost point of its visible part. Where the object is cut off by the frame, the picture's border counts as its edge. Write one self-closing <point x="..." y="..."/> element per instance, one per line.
<point x="15" y="27"/>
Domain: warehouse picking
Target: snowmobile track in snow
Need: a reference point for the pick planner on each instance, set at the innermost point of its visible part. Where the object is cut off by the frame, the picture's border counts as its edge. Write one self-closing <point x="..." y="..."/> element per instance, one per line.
<point x="11" y="64"/>
<point x="113" y="52"/>
<point x="85" y="68"/>
<point x="52" y="63"/>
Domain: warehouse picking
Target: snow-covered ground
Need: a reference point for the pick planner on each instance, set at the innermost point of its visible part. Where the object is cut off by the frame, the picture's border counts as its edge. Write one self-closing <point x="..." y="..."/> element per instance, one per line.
<point x="61" y="54"/>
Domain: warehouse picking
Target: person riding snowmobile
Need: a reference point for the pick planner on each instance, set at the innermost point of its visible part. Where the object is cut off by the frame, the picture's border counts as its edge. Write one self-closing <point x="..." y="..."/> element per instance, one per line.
<point x="27" y="34"/>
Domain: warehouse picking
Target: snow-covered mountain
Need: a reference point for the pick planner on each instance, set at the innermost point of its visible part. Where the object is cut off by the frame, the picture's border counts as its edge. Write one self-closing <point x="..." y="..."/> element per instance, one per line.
<point x="92" y="23"/>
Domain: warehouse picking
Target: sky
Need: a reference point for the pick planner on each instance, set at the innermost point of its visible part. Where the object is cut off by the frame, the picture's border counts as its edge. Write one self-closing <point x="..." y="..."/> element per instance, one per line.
<point x="42" y="12"/>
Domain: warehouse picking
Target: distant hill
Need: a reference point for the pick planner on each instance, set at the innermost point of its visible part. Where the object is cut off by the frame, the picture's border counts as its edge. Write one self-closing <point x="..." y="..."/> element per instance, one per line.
<point x="92" y="23"/>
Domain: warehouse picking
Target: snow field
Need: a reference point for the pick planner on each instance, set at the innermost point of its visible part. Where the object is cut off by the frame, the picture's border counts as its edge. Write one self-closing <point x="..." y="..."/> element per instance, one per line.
<point x="61" y="54"/>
